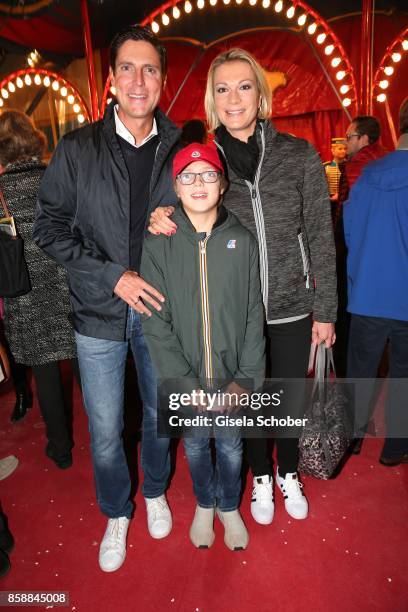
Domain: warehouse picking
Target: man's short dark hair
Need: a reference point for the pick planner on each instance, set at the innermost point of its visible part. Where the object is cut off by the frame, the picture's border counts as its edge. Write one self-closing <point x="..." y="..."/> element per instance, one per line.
<point x="137" y="33"/>
<point x="403" y="117"/>
<point x="366" y="124"/>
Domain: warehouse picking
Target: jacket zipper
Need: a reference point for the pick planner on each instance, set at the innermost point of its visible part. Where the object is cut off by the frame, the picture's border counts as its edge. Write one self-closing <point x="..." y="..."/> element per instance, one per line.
<point x="205" y="310"/>
<point x="306" y="271"/>
<point x="260" y="225"/>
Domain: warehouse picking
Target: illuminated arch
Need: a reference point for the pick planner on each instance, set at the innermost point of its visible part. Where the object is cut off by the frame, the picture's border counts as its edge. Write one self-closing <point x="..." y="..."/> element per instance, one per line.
<point x="395" y="52"/>
<point x="324" y="38"/>
<point x="31" y="77"/>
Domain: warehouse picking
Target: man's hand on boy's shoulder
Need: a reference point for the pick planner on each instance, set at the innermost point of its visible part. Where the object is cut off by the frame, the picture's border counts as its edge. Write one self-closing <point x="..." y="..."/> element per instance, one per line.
<point x="132" y="289"/>
<point x="160" y="222"/>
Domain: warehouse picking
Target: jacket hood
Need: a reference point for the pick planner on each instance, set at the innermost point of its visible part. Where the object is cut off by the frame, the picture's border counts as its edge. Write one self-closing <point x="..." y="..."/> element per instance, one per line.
<point x="389" y="173"/>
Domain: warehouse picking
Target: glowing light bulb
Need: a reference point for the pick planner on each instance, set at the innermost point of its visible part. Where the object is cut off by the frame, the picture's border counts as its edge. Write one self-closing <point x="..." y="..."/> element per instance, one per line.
<point x="278" y="6"/>
<point x="321" y="38"/>
<point x="71" y="99"/>
<point x="55" y="86"/>
<point x="4" y="93"/>
<point x="176" y="12"/>
<point x="266" y="3"/>
<point x="1" y="102"/>
<point x="213" y="2"/>
<point x="329" y="49"/>
<point x="312" y="28"/>
<point x="76" y="108"/>
<point x="165" y="19"/>
<point x="252" y="2"/>
<point x="396" y="57"/>
<point x="340" y="75"/>
<point x="381" y="97"/>
<point x="389" y="70"/>
<point x="290" y="12"/>
<point x="81" y="118"/>
<point x="11" y="87"/>
<point x="384" y="84"/>
<point x="302" y="19"/>
<point x="47" y="81"/>
<point x="27" y="79"/>
<point x="346" y="102"/>
<point x="37" y="79"/>
<point x="188" y="6"/>
<point x="226" y="1"/>
<point x="336" y="61"/>
<point x="239" y="1"/>
<point x="200" y="4"/>
<point x="63" y="91"/>
<point x="155" y="27"/>
<point x="405" y="45"/>
<point x="344" y="89"/>
<point x="19" y="82"/>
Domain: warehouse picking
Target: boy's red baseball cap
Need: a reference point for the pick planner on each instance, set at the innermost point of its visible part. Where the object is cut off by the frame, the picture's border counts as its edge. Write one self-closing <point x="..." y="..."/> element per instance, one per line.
<point x="196" y="152"/>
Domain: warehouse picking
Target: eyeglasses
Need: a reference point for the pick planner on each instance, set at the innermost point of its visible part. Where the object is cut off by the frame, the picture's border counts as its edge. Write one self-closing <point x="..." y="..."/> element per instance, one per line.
<point x="188" y="178"/>
<point x="350" y="136"/>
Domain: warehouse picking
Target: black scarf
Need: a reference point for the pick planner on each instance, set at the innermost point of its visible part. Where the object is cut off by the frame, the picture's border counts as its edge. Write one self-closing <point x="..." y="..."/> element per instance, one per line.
<point x="242" y="156"/>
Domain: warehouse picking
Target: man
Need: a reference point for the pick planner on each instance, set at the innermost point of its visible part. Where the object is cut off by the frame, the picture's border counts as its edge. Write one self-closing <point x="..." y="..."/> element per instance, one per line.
<point x="376" y="232"/>
<point x="362" y="137"/>
<point x="362" y="147"/>
<point x="100" y="187"/>
<point x="332" y="168"/>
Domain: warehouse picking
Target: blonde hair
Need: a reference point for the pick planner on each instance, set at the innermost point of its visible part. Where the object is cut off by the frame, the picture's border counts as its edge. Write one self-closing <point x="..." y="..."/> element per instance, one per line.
<point x="265" y="106"/>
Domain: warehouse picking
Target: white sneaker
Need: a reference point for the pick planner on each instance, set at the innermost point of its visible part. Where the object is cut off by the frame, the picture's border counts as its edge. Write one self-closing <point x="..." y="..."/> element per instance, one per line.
<point x="295" y="502"/>
<point x="112" y="551"/>
<point x="159" y="521"/>
<point x="262" y="506"/>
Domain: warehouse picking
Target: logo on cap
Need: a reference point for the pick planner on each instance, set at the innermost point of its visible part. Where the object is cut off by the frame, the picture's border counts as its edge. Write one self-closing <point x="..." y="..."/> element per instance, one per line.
<point x="196" y="154"/>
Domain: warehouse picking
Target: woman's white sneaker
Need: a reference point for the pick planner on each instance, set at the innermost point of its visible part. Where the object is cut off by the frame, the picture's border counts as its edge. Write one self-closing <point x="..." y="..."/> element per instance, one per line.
<point x="112" y="551"/>
<point x="262" y="505"/>
<point x="159" y="521"/>
<point x="295" y="502"/>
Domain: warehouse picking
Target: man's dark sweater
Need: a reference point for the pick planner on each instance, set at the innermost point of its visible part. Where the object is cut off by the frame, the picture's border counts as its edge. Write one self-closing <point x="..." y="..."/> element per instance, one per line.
<point x="139" y="162"/>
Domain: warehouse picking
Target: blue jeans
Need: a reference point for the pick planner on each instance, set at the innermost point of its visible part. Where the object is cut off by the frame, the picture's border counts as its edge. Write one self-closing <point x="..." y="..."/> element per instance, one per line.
<point x="102" y="365"/>
<point x="220" y="486"/>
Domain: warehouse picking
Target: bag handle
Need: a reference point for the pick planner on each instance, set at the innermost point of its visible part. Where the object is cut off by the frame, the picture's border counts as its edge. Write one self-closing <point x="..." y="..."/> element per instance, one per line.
<point x="4" y="205"/>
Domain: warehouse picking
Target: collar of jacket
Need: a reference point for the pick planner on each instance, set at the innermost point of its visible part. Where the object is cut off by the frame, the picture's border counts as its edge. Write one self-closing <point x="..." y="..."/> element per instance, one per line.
<point x="168" y="133"/>
<point x="372" y="151"/>
<point x="184" y="224"/>
<point x="268" y="141"/>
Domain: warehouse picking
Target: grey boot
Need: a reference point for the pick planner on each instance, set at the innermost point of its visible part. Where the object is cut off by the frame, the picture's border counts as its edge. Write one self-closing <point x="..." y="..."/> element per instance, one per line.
<point x="236" y="536"/>
<point x="201" y="531"/>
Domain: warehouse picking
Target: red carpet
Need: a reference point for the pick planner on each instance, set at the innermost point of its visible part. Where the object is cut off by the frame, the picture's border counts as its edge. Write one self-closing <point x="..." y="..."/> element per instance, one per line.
<point x="350" y="554"/>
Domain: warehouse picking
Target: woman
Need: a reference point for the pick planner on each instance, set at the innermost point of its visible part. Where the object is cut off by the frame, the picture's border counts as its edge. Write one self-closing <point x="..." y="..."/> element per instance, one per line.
<point x="36" y="325"/>
<point x="278" y="191"/>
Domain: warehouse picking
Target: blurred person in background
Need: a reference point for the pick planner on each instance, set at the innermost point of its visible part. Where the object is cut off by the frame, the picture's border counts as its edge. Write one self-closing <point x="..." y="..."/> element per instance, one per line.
<point x="37" y="325"/>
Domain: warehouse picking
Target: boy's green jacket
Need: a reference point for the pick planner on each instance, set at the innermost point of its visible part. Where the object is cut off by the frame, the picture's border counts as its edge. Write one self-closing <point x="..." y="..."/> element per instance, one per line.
<point x="211" y="326"/>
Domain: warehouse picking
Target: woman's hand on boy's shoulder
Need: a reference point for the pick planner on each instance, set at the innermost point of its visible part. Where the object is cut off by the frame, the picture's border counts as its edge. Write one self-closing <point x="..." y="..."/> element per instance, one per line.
<point x="160" y="222"/>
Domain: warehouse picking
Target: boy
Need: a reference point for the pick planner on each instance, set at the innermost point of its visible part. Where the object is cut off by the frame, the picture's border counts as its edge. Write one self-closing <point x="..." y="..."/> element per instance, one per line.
<point x="210" y="326"/>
